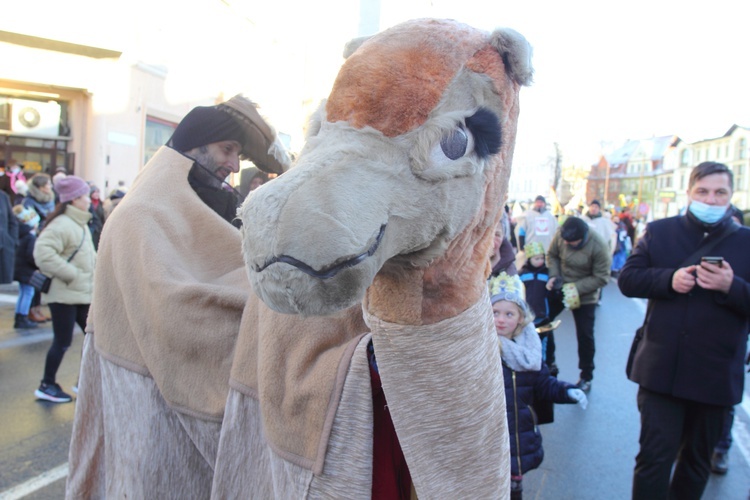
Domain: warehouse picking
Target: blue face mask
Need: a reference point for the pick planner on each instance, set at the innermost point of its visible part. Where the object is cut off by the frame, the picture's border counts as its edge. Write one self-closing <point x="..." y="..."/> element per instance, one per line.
<point x="710" y="214"/>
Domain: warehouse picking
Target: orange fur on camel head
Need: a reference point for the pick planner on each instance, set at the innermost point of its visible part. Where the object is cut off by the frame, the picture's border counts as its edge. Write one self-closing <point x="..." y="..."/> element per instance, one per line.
<point x="399" y="187"/>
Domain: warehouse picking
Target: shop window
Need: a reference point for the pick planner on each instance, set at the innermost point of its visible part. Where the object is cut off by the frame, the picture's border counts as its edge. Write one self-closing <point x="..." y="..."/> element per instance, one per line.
<point x="4" y="114"/>
<point x="158" y="133"/>
<point x="685" y="158"/>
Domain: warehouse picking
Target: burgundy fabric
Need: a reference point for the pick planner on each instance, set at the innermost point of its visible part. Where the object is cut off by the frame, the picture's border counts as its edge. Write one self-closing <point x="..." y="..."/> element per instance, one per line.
<point x="390" y="474"/>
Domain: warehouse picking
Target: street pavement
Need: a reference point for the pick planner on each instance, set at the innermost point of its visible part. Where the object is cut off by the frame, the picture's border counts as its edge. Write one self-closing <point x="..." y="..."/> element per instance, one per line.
<point x="36" y="434"/>
<point x="588" y="454"/>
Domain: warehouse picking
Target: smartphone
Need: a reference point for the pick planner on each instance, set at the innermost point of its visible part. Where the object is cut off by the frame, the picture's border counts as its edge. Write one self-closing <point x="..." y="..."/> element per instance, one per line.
<point x="718" y="261"/>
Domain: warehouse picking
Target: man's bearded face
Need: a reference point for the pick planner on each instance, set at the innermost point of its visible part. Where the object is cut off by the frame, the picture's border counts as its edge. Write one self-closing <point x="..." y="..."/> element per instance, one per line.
<point x="219" y="160"/>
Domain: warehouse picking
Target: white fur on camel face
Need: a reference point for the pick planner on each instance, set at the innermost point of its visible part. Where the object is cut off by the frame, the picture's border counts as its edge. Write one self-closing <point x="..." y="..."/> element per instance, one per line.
<point x="359" y="199"/>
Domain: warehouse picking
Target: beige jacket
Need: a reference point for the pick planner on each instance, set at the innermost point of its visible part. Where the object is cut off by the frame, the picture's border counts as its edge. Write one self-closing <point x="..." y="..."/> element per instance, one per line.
<point x="72" y="282"/>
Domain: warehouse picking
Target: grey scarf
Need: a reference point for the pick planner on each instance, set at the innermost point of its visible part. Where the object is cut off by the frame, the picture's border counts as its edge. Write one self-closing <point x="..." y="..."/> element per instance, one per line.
<point x="524" y="352"/>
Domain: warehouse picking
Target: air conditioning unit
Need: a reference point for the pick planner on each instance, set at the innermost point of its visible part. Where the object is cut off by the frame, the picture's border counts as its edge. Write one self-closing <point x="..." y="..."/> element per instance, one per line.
<point x="35" y="118"/>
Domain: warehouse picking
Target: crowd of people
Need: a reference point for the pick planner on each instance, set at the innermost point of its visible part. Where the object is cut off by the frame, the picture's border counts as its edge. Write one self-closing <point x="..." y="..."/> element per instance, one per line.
<point x="694" y="271"/>
<point x="53" y="225"/>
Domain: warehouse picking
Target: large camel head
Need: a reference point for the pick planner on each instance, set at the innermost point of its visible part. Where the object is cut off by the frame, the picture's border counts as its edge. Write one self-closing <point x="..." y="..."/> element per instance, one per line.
<point x="405" y="169"/>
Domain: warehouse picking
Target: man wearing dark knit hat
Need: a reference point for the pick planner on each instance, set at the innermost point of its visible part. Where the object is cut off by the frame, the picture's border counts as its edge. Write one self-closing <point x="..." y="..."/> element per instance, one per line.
<point x="580" y="258"/>
<point x="215" y="137"/>
<point x="170" y="289"/>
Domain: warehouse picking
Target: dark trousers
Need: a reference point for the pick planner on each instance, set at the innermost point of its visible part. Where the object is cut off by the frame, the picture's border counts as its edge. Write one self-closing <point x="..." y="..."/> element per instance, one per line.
<point x="725" y="441"/>
<point x="674" y="428"/>
<point x="64" y="319"/>
<point x="584" y="319"/>
<point x="548" y="347"/>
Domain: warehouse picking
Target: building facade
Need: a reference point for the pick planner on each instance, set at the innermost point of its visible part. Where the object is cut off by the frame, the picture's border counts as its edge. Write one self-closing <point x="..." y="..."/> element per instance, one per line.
<point x="732" y="149"/>
<point x="652" y="175"/>
<point x="98" y="97"/>
<point x="633" y="174"/>
<point x="83" y="108"/>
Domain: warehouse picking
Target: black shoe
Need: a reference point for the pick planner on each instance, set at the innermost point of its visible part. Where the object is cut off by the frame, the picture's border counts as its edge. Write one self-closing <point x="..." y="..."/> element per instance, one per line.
<point x="720" y="462"/>
<point x="52" y="392"/>
<point x="584" y="385"/>
<point x="24" y="323"/>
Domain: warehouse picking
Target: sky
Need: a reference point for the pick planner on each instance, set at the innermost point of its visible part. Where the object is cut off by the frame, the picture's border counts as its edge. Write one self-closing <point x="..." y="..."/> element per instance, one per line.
<point x="607" y="71"/>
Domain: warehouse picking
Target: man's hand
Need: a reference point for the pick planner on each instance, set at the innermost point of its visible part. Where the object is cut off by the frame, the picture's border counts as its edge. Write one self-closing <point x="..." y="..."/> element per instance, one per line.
<point x="550" y="283"/>
<point x="683" y="280"/>
<point x="712" y="277"/>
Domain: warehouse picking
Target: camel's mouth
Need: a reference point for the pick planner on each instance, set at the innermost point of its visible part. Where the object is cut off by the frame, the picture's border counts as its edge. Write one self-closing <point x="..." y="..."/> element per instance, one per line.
<point x="329" y="271"/>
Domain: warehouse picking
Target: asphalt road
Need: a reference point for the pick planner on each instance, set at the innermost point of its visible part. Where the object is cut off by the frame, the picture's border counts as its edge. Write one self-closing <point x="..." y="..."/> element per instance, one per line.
<point x="588" y="454"/>
<point x="36" y="434"/>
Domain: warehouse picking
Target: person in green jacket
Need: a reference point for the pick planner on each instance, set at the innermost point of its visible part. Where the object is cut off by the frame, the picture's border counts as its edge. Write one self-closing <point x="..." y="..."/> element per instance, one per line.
<point x="580" y="258"/>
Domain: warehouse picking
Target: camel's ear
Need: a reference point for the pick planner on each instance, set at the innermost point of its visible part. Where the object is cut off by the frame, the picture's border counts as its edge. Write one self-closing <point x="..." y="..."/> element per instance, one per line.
<point x="354" y="44"/>
<point x="516" y="54"/>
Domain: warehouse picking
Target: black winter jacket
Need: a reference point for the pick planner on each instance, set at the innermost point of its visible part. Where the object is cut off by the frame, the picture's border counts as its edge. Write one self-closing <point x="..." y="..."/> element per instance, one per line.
<point x="694" y="343"/>
<point x="535" y="281"/>
<point x="8" y="239"/>
<point x="25" y="265"/>
<point x="522" y="389"/>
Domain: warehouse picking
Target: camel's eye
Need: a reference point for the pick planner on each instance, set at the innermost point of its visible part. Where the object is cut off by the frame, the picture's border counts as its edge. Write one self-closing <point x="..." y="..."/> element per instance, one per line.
<point x="454" y="143"/>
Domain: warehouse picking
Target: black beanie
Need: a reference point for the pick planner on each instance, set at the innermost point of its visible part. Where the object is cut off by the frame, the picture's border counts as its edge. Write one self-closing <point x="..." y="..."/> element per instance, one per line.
<point x="205" y="125"/>
<point x="574" y="229"/>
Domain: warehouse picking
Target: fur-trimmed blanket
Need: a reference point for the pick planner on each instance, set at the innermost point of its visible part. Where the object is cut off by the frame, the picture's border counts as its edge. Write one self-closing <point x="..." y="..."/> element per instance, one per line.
<point x="170" y="289"/>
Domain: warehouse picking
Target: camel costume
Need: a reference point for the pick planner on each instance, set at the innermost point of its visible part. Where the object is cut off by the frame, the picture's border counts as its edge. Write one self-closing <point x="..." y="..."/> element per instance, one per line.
<point x="384" y="224"/>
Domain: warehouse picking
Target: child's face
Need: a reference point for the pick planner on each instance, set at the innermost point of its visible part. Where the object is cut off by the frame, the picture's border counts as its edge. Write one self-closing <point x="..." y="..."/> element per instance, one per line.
<point x="537" y="260"/>
<point x="507" y="316"/>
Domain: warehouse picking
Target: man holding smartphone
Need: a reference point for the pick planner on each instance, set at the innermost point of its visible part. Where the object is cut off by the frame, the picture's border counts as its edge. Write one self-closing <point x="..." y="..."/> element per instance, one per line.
<point x="695" y="271"/>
